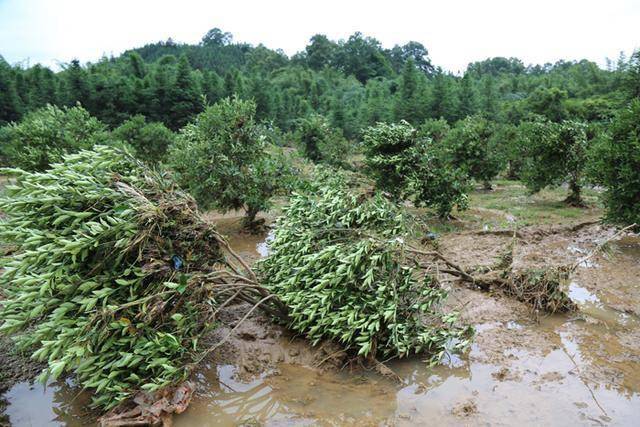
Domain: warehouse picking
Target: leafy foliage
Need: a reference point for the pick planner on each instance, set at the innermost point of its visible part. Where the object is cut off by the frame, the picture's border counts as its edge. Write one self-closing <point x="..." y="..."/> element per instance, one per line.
<point x="46" y="135"/>
<point x="149" y="140"/>
<point x="474" y="149"/>
<point x="412" y="167"/>
<point x="320" y="142"/>
<point x="436" y="130"/>
<point x="355" y="82"/>
<point x="554" y="153"/>
<point x="549" y="102"/>
<point x="615" y="164"/>
<point x="224" y="162"/>
<point x="90" y="285"/>
<point x="338" y="262"/>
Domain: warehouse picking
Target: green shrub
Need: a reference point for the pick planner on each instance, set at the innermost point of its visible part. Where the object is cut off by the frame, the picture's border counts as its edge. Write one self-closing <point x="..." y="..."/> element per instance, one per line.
<point x="149" y="140"/>
<point x="555" y="153"/>
<point x="338" y="262"/>
<point x="615" y="164"/>
<point x="435" y="129"/>
<point x="410" y="167"/>
<point x="225" y="163"/>
<point x="320" y="142"/>
<point x="474" y="149"/>
<point x="44" y="136"/>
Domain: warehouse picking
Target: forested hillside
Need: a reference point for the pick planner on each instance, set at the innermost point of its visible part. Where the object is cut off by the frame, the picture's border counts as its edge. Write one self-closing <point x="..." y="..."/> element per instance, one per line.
<point x="354" y="83"/>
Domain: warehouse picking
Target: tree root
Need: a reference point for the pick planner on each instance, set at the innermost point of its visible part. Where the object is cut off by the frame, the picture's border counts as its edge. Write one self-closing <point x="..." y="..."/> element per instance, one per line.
<point x="541" y="289"/>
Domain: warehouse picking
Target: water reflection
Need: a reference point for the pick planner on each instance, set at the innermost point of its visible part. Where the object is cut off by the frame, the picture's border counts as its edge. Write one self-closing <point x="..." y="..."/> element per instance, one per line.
<point x="58" y="404"/>
<point x="291" y="395"/>
<point x="562" y="371"/>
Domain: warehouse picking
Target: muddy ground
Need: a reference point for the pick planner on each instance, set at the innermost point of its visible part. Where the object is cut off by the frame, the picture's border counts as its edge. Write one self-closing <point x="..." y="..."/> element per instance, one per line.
<point x="523" y="367"/>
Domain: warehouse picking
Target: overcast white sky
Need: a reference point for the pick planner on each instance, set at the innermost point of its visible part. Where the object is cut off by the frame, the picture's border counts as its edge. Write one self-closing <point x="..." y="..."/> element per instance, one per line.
<point x="455" y="32"/>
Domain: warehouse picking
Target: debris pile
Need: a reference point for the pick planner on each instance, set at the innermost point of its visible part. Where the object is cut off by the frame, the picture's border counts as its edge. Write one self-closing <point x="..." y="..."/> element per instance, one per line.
<point x="114" y="276"/>
<point x="339" y="262"/>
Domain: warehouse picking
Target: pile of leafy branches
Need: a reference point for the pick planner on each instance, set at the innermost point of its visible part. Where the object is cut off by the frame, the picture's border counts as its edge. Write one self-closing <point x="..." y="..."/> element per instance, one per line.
<point x="542" y="289"/>
<point x="338" y="262"/>
<point x="115" y="277"/>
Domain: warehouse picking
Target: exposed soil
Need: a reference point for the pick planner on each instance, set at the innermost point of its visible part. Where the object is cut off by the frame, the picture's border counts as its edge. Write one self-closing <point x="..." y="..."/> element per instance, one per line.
<point x="578" y="369"/>
<point x="258" y="345"/>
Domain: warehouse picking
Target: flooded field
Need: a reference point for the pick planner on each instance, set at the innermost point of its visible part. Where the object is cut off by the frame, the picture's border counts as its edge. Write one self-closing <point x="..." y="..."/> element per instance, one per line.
<point x="582" y="369"/>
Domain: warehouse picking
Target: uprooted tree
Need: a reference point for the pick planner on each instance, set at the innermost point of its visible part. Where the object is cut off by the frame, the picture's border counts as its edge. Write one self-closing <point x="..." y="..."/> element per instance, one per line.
<point x="224" y="162"/>
<point x="113" y="276"/>
<point x="340" y="263"/>
<point x="414" y="167"/>
<point x="349" y="267"/>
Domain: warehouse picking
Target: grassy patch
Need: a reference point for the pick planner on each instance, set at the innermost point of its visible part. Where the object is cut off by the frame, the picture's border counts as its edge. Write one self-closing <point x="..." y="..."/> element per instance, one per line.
<point x="518" y="206"/>
<point x="511" y="205"/>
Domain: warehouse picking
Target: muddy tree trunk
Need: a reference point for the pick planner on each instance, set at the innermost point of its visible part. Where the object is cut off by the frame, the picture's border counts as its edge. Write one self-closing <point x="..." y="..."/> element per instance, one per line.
<point x="249" y="222"/>
<point x="486" y="185"/>
<point x="575" y="197"/>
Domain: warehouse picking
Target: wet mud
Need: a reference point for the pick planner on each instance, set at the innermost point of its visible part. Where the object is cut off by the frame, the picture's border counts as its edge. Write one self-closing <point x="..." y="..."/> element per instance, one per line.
<point x="522" y="368"/>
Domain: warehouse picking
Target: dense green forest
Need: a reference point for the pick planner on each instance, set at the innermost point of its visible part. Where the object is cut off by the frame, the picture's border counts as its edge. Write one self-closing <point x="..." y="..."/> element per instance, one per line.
<point x="426" y="135"/>
<point x="354" y="83"/>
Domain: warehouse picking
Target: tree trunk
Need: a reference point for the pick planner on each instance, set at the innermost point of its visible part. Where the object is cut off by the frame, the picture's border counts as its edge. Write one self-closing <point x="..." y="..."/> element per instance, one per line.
<point x="249" y="221"/>
<point x="575" y="198"/>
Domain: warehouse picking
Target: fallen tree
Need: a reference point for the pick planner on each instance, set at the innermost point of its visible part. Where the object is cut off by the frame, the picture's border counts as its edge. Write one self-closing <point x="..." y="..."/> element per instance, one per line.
<point x="114" y="276"/>
<point x="340" y="263"/>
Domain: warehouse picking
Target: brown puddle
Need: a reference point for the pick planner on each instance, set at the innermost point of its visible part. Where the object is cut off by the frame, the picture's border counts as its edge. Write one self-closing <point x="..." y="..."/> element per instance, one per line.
<point x="562" y="371"/>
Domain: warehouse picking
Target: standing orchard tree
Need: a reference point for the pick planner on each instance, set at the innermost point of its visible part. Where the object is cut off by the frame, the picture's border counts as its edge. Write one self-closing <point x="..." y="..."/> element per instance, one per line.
<point x="554" y="153"/>
<point x="388" y="155"/>
<point x="436" y="129"/>
<point x="615" y="164"/>
<point x="412" y="167"/>
<point x="506" y="136"/>
<point x="44" y="136"/>
<point x="473" y="148"/>
<point x="224" y="162"/>
<point x="149" y="140"/>
<point x="320" y="142"/>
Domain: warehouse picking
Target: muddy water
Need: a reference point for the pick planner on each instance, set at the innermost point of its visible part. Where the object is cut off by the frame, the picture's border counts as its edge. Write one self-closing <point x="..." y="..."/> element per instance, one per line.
<point x="582" y="370"/>
<point x="561" y="371"/>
